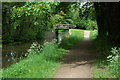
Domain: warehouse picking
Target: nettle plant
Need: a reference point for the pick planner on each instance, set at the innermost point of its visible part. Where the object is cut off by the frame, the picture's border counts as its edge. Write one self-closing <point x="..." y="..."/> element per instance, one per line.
<point x="114" y="60"/>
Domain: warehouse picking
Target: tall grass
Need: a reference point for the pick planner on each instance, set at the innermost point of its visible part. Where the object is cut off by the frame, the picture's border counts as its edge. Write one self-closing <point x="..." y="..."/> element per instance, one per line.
<point x="75" y="36"/>
<point x="37" y="65"/>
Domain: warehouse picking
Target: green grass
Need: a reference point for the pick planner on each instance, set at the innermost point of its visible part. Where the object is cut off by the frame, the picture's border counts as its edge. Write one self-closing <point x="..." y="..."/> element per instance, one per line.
<point x="93" y="34"/>
<point x="75" y="37"/>
<point x="101" y="69"/>
<point x="45" y="63"/>
<point x="101" y="73"/>
<point x="41" y="65"/>
<point x="101" y="65"/>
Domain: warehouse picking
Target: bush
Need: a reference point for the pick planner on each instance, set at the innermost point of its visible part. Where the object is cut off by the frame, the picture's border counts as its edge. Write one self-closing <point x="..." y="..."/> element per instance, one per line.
<point x="109" y="68"/>
<point x="91" y="25"/>
<point x="93" y="34"/>
<point x="81" y="23"/>
<point x="114" y="60"/>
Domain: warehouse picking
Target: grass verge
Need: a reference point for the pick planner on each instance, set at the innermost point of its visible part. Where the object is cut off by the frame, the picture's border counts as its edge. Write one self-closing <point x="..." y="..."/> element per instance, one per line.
<point x="104" y="67"/>
<point x="75" y="36"/>
<point x="40" y="64"/>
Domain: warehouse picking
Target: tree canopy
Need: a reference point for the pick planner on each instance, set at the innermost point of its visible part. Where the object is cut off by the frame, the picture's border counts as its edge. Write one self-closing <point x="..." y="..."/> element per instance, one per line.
<point x="24" y="21"/>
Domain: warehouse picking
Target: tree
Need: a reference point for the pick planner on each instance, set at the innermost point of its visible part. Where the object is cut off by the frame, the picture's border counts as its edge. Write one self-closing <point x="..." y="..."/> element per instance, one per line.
<point x="108" y="20"/>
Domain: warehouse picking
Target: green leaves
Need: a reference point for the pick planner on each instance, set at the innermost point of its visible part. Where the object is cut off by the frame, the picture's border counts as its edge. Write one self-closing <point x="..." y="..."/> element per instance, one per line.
<point x="32" y="16"/>
<point x="114" y="60"/>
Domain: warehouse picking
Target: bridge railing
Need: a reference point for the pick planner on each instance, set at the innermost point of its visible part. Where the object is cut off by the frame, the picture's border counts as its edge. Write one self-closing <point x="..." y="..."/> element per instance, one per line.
<point x="65" y="26"/>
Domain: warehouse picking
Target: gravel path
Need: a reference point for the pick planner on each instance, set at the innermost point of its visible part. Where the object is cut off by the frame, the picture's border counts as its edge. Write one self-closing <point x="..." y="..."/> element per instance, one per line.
<point x="78" y="62"/>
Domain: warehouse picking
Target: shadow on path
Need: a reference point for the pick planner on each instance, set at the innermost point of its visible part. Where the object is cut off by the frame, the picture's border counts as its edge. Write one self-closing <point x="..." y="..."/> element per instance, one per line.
<point x="78" y="62"/>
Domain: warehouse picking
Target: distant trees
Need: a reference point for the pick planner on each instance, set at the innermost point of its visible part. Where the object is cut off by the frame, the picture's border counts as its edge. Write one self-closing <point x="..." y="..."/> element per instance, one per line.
<point x="72" y="13"/>
<point x="108" y="19"/>
<point x="23" y="21"/>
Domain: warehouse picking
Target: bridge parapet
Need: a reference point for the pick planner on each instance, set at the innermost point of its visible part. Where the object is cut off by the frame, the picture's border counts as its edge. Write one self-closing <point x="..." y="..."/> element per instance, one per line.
<point x="65" y="26"/>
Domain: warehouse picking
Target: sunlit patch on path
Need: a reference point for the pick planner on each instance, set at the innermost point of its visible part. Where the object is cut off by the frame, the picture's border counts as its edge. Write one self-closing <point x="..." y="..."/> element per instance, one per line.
<point x="86" y="35"/>
<point x="78" y="62"/>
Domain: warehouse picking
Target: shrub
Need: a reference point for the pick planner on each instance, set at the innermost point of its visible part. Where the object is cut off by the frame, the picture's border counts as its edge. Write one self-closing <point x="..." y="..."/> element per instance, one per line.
<point x="81" y="23"/>
<point x="114" y="60"/>
<point x="93" y="34"/>
<point x="34" y="49"/>
<point x="91" y="25"/>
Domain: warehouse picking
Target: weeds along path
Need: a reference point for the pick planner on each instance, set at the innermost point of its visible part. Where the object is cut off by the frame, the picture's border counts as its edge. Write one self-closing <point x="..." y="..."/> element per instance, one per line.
<point x="78" y="62"/>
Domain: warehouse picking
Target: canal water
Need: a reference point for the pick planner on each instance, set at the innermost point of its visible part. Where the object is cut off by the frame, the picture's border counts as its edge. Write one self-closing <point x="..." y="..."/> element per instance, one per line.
<point x="13" y="53"/>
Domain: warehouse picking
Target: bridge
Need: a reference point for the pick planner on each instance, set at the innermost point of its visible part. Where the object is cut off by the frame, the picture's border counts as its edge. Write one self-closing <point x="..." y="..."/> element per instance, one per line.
<point x="63" y="27"/>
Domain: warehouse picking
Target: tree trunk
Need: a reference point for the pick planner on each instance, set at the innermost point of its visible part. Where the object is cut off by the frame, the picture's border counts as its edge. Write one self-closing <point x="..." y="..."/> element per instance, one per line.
<point x="100" y="19"/>
<point x="108" y="19"/>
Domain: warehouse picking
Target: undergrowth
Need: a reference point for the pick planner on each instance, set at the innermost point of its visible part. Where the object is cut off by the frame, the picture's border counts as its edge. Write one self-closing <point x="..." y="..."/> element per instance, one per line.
<point x="108" y="62"/>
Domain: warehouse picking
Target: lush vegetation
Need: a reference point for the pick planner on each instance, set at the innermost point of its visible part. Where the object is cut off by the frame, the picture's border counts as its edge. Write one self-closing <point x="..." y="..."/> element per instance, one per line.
<point x="83" y="18"/>
<point x="26" y="21"/>
<point x="44" y="59"/>
<point x="74" y="37"/>
<point x="93" y="34"/>
<point x="40" y="63"/>
<point x="107" y="66"/>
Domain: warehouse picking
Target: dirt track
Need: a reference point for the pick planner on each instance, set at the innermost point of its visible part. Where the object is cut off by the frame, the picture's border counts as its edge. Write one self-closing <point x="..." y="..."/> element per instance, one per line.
<point x="78" y="62"/>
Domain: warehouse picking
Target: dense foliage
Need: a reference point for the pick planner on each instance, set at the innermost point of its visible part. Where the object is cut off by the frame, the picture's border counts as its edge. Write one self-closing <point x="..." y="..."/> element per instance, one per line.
<point x="114" y="60"/>
<point x="82" y="17"/>
<point x="24" y="21"/>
